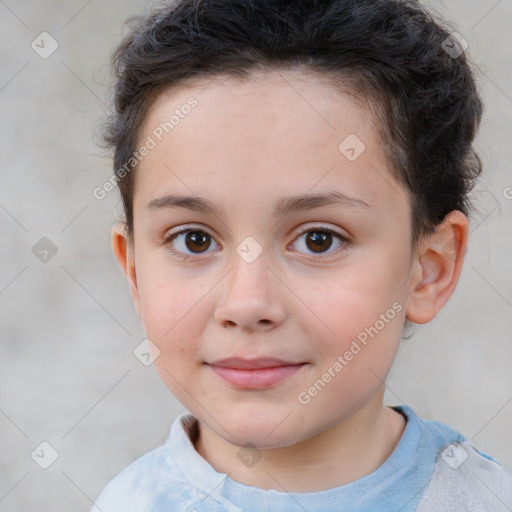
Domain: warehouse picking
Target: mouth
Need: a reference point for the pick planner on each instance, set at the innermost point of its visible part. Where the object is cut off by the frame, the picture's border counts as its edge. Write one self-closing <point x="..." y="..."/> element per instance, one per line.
<point x="254" y="373"/>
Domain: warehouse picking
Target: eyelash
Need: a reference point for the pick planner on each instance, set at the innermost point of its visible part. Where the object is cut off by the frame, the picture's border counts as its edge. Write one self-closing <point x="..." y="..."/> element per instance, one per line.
<point x="190" y="229"/>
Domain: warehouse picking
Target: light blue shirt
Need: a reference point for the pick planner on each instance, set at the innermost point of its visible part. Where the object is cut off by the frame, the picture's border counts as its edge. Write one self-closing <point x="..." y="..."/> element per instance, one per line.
<point x="432" y="469"/>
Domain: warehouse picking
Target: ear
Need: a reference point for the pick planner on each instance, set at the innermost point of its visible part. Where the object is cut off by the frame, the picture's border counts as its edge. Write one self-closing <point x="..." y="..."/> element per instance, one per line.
<point x="123" y="250"/>
<point x="436" y="268"/>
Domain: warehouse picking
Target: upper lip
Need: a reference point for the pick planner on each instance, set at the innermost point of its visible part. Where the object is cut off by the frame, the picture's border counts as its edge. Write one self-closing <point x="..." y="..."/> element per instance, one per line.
<point x="252" y="364"/>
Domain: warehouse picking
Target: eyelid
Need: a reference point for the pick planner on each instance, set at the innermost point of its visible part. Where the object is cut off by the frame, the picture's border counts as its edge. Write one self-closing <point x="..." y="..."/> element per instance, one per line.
<point x="320" y="227"/>
<point x="185" y="228"/>
<point x="344" y="238"/>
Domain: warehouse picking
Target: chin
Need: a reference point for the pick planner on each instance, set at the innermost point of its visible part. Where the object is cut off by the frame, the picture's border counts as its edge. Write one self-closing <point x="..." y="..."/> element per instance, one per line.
<point x="258" y="439"/>
<point x="262" y="429"/>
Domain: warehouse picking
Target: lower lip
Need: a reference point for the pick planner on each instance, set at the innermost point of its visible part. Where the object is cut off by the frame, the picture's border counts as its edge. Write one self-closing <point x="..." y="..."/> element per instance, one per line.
<point x="257" y="378"/>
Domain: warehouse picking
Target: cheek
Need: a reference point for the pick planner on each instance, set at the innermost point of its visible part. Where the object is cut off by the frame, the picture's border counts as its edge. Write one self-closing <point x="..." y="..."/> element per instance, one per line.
<point x="363" y="304"/>
<point x="172" y="314"/>
<point x="173" y="322"/>
<point x="352" y="299"/>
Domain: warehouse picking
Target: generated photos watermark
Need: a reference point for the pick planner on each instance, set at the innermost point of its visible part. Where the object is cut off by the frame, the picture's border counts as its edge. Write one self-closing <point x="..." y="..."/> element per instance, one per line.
<point x="357" y="345"/>
<point x="151" y="142"/>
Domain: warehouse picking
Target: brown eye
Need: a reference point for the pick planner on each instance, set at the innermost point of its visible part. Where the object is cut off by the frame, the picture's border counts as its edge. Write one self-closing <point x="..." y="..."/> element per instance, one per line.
<point x="197" y="241"/>
<point x="318" y="241"/>
<point x="189" y="242"/>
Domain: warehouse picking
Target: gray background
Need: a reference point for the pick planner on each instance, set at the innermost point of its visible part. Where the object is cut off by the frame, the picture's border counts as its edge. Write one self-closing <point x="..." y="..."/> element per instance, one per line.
<point x="68" y="329"/>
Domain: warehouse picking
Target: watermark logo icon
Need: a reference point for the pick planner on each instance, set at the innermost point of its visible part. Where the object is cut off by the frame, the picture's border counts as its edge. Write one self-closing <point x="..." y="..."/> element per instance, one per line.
<point x="44" y="250"/>
<point x="352" y="147"/>
<point x="249" y="249"/>
<point x="454" y="455"/>
<point x="454" y="45"/>
<point x="44" y="455"/>
<point x="146" y="352"/>
<point x="44" y="45"/>
<point x="249" y="455"/>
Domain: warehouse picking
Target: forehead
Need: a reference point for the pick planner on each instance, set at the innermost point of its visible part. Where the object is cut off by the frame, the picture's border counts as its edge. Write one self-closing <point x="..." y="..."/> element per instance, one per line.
<point x="263" y="96"/>
<point x="271" y="132"/>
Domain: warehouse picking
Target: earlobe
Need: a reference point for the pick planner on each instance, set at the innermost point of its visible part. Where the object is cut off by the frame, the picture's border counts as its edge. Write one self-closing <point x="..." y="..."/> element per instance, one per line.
<point x="123" y="251"/>
<point x="438" y="264"/>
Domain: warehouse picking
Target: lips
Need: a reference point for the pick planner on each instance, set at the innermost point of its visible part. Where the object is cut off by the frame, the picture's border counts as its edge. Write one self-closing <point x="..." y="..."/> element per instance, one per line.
<point x="254" y="373"/>
<point x="252" y="364"/>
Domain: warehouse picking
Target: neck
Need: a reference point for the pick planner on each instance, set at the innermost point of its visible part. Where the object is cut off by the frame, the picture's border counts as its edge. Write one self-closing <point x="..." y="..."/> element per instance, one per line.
<point x="345" y="452"/>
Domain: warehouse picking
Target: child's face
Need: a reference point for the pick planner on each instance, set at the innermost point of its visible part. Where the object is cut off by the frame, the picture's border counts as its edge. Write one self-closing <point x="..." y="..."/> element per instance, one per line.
<point x="244" y="148"/>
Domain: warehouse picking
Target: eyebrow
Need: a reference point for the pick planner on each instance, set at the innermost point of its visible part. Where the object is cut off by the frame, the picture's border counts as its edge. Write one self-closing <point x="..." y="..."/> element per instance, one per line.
<point x="284" y="206"/>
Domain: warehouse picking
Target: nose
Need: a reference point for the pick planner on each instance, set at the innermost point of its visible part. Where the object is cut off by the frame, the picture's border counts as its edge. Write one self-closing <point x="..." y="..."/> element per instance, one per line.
<point x="251" y="297"/>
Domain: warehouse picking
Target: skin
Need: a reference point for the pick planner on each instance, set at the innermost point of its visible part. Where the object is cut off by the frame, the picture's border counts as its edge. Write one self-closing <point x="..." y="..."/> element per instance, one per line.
<point x="245" y="146"/>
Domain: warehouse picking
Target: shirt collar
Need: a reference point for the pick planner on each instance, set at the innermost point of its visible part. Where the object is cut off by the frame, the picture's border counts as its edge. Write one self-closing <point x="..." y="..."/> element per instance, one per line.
<point x="218" y="486"/>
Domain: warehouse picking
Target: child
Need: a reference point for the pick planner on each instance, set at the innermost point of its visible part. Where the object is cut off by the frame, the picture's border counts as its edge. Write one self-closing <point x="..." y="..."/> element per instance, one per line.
<point x="294" y="176"/>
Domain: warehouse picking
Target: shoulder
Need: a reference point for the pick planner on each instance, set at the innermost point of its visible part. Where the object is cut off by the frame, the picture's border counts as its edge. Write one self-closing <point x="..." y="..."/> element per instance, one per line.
<point x="466" y="479"/>
<point x="138" y="486"/>
<point x="460" y="477"/>
<point x="171" y="477"/>
<point x="150" y="483"/>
